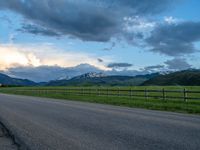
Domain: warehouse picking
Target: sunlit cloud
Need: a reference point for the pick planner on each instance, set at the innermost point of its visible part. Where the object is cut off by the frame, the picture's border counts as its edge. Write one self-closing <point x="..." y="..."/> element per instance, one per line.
<point x="12" y="55"/>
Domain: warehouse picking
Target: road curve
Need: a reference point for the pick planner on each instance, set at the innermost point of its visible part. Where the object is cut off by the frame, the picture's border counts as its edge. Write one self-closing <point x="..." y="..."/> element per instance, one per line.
<point x="41" y="124"/>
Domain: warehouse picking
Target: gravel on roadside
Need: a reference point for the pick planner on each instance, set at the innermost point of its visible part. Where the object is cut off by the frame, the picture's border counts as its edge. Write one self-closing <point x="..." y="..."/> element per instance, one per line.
<point x="6" y="142"/>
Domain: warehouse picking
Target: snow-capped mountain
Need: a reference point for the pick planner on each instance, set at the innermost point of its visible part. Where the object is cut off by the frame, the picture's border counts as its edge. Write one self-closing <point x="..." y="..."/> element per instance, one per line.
<point x="90" y="75"/>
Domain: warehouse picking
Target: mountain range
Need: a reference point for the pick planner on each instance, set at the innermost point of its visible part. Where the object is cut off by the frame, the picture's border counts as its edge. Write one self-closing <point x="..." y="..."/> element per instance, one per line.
<point x="49" y="73"/>
<point x="6" y="80"/>
<point x="186" y="77"/>
<point x="100" y="79"/>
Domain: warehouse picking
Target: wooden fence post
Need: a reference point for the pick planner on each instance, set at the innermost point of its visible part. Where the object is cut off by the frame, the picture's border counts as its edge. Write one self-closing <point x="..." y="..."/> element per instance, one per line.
<point x="185" y="95"/>
<point x="146" y="94"/>
<point x="99" y="92"/>
<point x="130" y="93"/>
<point x="164" y="95"/>
<point x="118" y="91"/>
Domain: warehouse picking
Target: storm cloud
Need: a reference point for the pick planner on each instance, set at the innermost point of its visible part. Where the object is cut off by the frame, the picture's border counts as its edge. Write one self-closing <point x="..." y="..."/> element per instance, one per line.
<point x="178" y="64"/>
<point x="100" y="60"/>
<point x="38" y="30"/>
<point x="156" y="67"/>
<point x="89" y="20"/>
<point x="175" y="39"/>
<point x="119" y="65"/>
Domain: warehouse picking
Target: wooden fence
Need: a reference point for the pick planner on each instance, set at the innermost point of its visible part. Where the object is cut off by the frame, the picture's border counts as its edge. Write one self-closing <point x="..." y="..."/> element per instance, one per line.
<point x="163" y="94"/>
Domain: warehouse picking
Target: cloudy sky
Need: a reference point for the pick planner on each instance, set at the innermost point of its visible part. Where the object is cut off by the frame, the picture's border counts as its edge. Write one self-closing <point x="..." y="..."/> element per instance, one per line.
<point x="51" y="39"/>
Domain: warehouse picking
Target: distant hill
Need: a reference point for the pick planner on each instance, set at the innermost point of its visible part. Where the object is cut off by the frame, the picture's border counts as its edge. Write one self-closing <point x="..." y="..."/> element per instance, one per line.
<point x="6" y="80"/>
<point x="99" y="79"/>
<point x="184" y="78"/>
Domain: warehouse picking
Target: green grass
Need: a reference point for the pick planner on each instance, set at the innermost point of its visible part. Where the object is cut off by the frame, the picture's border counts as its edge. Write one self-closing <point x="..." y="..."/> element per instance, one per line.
<point x="175" y="105"/>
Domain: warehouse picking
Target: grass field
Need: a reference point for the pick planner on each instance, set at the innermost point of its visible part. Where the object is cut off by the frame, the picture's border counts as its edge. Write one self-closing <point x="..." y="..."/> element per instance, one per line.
<point x="121" y="96"/>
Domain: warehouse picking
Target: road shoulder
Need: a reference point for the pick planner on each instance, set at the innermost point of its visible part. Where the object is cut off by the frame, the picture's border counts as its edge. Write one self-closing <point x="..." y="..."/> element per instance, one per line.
<point x="6" y="141"/>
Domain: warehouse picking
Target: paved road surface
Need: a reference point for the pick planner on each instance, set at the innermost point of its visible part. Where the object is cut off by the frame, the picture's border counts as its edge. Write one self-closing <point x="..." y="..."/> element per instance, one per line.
<point x="42" y="124"/>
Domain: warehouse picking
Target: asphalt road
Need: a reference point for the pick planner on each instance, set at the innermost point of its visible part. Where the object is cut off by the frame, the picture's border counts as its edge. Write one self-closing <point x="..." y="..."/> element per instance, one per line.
<point x="41" y="124"/>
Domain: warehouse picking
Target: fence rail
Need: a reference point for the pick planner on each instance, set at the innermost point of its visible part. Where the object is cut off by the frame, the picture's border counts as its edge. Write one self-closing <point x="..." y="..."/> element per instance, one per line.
<point x="163" y="94"/>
